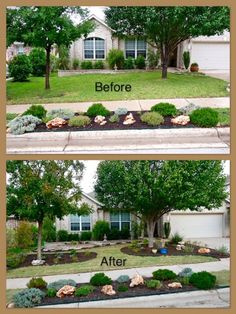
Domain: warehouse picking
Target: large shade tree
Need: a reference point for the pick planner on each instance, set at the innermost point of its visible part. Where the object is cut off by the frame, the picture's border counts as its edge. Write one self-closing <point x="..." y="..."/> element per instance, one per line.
<point x="44" y="188"/>
<point x="166" y="27"/>
<point x="150" y="189"/>
<point x="44" y="27"/>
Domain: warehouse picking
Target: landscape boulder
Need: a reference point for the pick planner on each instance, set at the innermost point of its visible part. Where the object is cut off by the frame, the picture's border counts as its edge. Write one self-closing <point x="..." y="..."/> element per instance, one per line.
<point x="37" y="262"/>
<point x="66" y="290"/>
<point x="175" y="285"/>
<point x="204" y="250"/>
<point x="56" y="123"/>
<point x="129" y="119"/>
<point x="136" y="281"/>
<point x="108" y="290"/>
<point x="181" y="120"/>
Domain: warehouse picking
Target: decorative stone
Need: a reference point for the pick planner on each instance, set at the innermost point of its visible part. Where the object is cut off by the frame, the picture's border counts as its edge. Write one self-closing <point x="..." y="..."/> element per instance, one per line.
<point x="108" y="290"/>
<point x="66" y="290"/>
<point x="129" y="119"/>
<point x="56" y="123"/>
<point x="181" y="120"/>
<point x="37" y="262"/>
<point x="154" y="251"/>
<point x="175" y="285"/>
<point x="103" y="122"/>
<point x="204" y="250"/>
<point x="10" y="305"/>
<point x="99" y="119"/>
<point x="136" y="281"/>
<point x="105" y="238"/>
<point x="178" y="247"/>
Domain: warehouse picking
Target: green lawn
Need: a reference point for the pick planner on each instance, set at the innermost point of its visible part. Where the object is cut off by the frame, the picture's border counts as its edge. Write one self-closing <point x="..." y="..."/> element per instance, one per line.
<point x="145" y="85"/>
<point x="94" y="264"/>
<point x="224" y="116"/>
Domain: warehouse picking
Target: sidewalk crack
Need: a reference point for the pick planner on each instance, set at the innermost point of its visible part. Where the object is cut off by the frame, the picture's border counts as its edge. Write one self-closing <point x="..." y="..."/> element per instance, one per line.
<point x="68" y="140"/>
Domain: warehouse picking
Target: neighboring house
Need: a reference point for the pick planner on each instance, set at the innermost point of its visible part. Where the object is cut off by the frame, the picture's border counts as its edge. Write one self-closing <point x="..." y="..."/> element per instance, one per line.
<point x="16" y="49"/>
<point x="210" y="53"/>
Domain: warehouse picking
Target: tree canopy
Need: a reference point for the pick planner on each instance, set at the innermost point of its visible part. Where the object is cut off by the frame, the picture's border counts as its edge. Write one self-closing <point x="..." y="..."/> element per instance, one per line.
<point x="150" y="189"/>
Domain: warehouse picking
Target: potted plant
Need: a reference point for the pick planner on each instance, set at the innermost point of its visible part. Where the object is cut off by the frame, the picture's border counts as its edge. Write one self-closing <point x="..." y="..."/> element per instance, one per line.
<point x="194" y="67"/>
<point x="163" y="249"/>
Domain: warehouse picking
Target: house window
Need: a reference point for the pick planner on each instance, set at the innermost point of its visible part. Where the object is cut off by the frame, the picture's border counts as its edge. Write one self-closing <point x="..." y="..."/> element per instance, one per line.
<point x="20" y="50"/>
<point x="135" y="48"/>
<point x="120" y="220"/>
<point x="79" y="223"/>
<point x="94" y="48"/>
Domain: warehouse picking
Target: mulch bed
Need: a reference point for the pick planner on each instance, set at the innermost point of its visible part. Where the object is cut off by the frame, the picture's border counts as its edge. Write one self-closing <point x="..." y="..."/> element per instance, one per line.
<point x="145" y="251"/>
<point x="65" y="258"/>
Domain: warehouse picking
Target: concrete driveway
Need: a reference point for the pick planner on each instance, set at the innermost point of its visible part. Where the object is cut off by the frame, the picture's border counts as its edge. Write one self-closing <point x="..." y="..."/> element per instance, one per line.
<point x="214" y="243"/>
<point x="220" y="74"/>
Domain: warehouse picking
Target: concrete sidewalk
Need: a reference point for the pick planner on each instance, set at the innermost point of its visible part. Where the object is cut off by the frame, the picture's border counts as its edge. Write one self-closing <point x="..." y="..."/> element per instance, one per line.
<point x="131" y="105"/>
<point x="223" y="264"/>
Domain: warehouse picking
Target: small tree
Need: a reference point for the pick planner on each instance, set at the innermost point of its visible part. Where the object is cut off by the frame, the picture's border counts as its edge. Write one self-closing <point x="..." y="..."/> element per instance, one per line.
<point x="186" y="59"/>
<point x="20" y="68"/>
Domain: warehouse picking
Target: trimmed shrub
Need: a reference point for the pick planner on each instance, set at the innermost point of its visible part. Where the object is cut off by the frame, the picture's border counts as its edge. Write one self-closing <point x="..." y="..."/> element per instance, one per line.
<point x="84" y="290"/>
<point x="124" y="234"/>
<point x="51" y="293"/>
<point x="97" y="110"/>
<point x="24" y="235"/>
<point x="140" y="62"/>
<point x="37" y="58"/>
<point x="36" y="110"/>
<point x="60" y="113"/>
<point x="165" y="109"/>
<point x="184" y="280"/>
<point x="28" y="298"/>
<point x="129" y="63"/>
<point x="186" y="59"/>
<point x="100" y="279"/>
<point x="98" y="64"/>
<point x="176" y="238"/>
<point x="204" y="117"/>
<point x="79" y="121"/>
<point x="164" y="274"/>
<point x="73" y="237"/>
<point x="38" y="283"/>
<point x="22" y="124"/>
<point x="203" y="280"/>
<point x="122" y="288"/>
<point x="20" y="68"/>
<point x="152" y="118"/>
<point x="75" y="64"/>
<point x="123" y="278"/>
<point x="63" y="60"/>
<point x="121" y="111"/>
<point x="57" y="285"/>
<point x="167" y="229"/>
<point x="153" y="59"/>
<point x="114" y="118"/>
<point x="100" y="228"/>
<point x="153" y="284"/>
<point x="114" y="234"/>
<point x="14" y="260"/>
<point x="53" y="63"/>
<point x="116" y="57"/>
<point x="86" y="236"/>
<point x="62" y="235"/>
<point x="186" y="272"/>
<point x="86" y="65"/>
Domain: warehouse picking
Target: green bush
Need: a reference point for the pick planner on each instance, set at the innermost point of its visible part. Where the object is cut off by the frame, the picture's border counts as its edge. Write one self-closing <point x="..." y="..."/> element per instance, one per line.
<point x="28" y="298"/>
<point x="24" y="235"/>
<point x="116" y="57"/>
<point x="86" y="236"/>
<point x="124" y="234"/>
<point x="100" y="279"/>
<point x="186" y="59"/>
<point x="38" y="283"/>
<point x="84" y="290"/>
<point x="97" y="110"/>
<point x="15" y="260"/>
<point x="121" y="111"/>
<point x="184" y="280"/>
<point x="86" y="65"/>
<point x="100" y="228"/>
<point x="59" y="113"/>
<point x="114" y="234"/>
<point x="20" y="68"/>
<point x="37" y="58"/>
<point x="204" y="117"/>
<point x="114" y="118"/>
<point x="203" y="280"/>
<point x="49" y="230"/>
<point x="36" y="110"/>
<point x="57" y="285"/>
<point x="140" y="62"/>
<point x="62" y="235"/>
<point x="164" y="274"/>
<point x="167" y="229"/>
<point x="53" y="63"/>
<point x="122" y="288"/>
<point x="11" y="238"/>
<point x="176" y="238"/>
<point x="98" y="64"/>
<point x="129" y="63"/>
<point x="75" y="64"/>
<point x="63" y="60"/>
<point x="73" y="237"/>
<point x="79" y="121"/>
<point x="153" y="284"/>
<point x="136" y="229"/>
<point x="153" y="59"/>
<point x="152" y="118"/>
<point x="123" y="278"/>
<point x="51" y="292"/>
<point x="165" y="109"/>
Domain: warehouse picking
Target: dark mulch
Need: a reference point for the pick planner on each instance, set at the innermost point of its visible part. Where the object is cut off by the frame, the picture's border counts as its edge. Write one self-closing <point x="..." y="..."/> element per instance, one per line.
<point x="145" y="251"/>
<point x="97" y="295"/>
<point x="65" y="258"/>
<point x="115" y="126"/>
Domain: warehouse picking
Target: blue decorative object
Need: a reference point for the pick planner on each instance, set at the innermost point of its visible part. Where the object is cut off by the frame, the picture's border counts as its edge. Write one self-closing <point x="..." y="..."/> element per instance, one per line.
<point x="163" y="251"/>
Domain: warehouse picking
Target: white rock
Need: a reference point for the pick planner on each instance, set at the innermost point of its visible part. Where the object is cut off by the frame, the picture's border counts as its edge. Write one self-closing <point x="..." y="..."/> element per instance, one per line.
<point x="181" y="120"/>
<point x="37" y="262"/>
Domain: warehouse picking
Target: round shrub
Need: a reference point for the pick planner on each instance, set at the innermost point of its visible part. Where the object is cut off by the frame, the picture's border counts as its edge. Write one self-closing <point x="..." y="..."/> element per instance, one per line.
<point x="36" y="111"/>
<point x="79" y="121"/>
<point x="57" y="285"/>
<point x="184" y="280"/>
<point x="97" y="110"/>
<point x="116" y="57"/>
<point x="153" y="284"/>
<point x="203" y="280"/>
<point x="98" y="64"/>
<point x="123" y="278"/>
<point x="164" y="274"/>
<point x="38" y="283"/>
<point x="114" y="234"/>
<point x="86" y="236"/>
<point x="122" y="288"/>
<point x="100" y="279"/>
<point x="14" y="260"/>
<point x="51" y="293"/>
<point x="121" y="111"/>
<point x="38" y="61"/>
<point x="152" y="118"/>
<point x="22" y="124"/>
<point x="75" y="64"/>
<point x="86" y="65"/>
<point x="62" y="235"/>
<point x="140" y="62"/>
<point x="165" y="109"/>
<point x="28" y="298"/>
<point x="204" y="117"/>
<point x="20" y="68"/>
<point x="186" y="272"/>
<point x="60" y="113"/>
<point x="114" y="118"/>
<point x="129" y="63"/>
<point x="100" y="228"/>
<point x="84" y="290"/>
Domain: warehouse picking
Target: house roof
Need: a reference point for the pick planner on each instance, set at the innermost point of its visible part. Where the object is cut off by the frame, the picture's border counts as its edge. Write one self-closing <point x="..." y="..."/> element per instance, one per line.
<point x="94" y="17"/>
<point x="92" y="197"/>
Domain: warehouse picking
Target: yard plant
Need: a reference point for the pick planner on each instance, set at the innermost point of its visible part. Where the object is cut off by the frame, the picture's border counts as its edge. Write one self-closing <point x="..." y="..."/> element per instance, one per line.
<point x="100" y="279"/>
<point x="204" y="117"/>
<point x="203" y="280"/>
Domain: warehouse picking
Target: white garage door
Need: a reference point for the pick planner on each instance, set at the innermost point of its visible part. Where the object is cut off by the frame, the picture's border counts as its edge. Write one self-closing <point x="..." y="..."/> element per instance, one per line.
<point x="197" y="225"/>
<point x="211" y="56"/>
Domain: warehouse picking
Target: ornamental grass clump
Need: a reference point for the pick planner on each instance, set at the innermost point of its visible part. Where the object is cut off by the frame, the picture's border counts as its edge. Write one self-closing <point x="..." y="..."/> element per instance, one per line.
<point x="165" y="109"/>
<point x="79" y="121"/>
<point x="100" y="279"/>
<point x="51" y="292"/>
<point x="153" y="284"/>
<point x="84" y="290"/>
<point x="164" y="274"/>
<point x="204" y="117"/>
<point x="152" y="118"/>
<point x="23" y="124"/>
<point x="59" y="113"/>
<point x="97" y="110"/>
<point x="122" y="288"/>
<point x="114" y="118"/>
<point x="203" y="280"/>
<point x="28" y="298"/>
<point x="57" y="285"/>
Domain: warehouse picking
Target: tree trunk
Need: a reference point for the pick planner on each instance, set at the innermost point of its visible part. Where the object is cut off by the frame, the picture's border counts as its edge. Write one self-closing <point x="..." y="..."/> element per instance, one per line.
<point x="164" y="62"/>
<point x="47" y="82"/>
<point x="150" y="230"/>
<point x="39" y="250"/>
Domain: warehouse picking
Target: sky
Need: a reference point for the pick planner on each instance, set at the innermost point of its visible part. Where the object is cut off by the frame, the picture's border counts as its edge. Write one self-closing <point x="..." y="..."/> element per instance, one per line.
<point x="98" y="11"/>
<point x="88" y="179"/>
